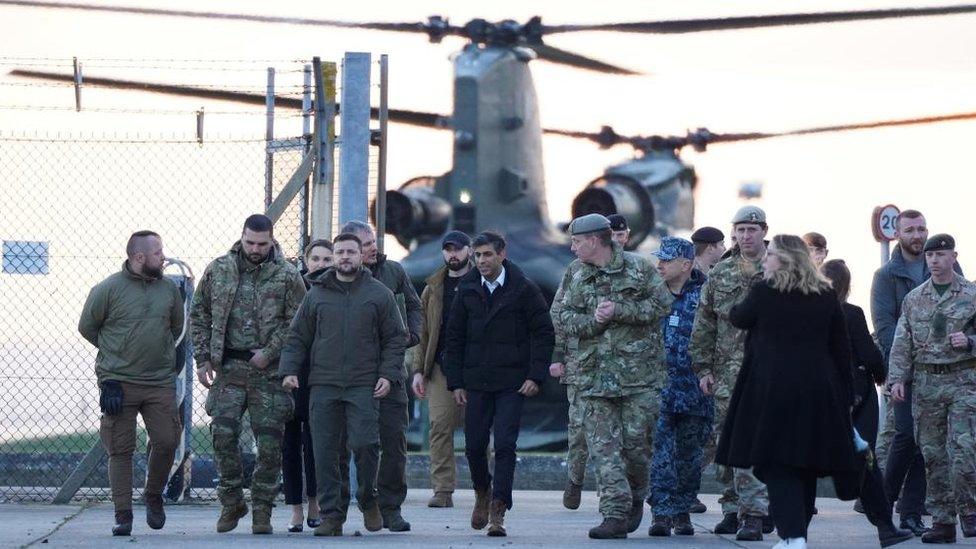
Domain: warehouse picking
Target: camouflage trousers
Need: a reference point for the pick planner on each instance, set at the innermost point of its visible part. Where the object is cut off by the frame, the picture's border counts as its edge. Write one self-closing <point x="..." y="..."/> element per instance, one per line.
<point x="269" y="406"/>
<point x="944" y="408"/>
<point x="576" y="453"/>
<point x="676" y="467"/>
<point x="742" y="493"/>
<point x="618" y="435"/>
<point x="886" y="432"/>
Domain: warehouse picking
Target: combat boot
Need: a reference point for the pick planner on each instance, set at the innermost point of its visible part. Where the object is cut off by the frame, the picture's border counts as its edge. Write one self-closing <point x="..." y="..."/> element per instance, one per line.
<point x="572" y="495"/>
<point x="155" y="514"/>
<point x="441" y="500"/>
<point x="496" y="518"/>
<point x="888" y="535"/>
<point x="261" y="520"/>
<point x="728" y="525"/>
<point x="968" y="525"/>
<point x="750" y="529"/>
<point x="697" y="507"/>
<point x="479" y="515"/>
<point x="913" y="523"/>
<point x="660" y="526"/>
<point x="610" y="528"/>
<point x="940" y="533"/>
<point x="123" y="523"/>
<point x="635" y="516"/>
<point x="229" y="516"/>
<point x="394" y="522"/>
<point x="683" y="526"/>
<point x="768" y="525"/>
<point x="372" y="518"/>
<point x="331" y="526"/>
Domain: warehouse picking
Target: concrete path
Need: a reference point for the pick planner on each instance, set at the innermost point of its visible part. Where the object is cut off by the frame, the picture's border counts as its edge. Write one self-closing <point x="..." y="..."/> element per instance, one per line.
<point x="538" y="520"/>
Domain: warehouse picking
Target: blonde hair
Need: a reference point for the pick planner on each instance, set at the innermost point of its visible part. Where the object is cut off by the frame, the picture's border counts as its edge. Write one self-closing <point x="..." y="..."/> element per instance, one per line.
<point x="797" y="271"/>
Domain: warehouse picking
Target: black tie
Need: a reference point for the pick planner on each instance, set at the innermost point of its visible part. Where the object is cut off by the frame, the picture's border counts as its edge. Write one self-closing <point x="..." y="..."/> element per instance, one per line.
<point x="488" y="295"/>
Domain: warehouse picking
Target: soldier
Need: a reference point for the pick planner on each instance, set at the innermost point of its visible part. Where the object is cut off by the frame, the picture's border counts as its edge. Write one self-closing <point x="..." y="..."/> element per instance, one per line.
<point x="933" y="349"/>
<point x="817" y="244"/>
<point x="350" y="332"/>
<point x="576" y="452"/>
<point x="709" y="248"/>
<point x="611" y="307"/>
<point x="619" y="229"/>
<point x="429" y="381"/>
<point x="716" y="351"/>
<point x="394" y="415"/>
<point x="133" y="317"/>
<point x="239" y="322"/>
<point x="686" y="413"/>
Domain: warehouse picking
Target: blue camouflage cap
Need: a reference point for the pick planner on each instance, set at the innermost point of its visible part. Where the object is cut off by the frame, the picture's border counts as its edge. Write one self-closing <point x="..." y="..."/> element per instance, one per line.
<point x="673" y="247"/>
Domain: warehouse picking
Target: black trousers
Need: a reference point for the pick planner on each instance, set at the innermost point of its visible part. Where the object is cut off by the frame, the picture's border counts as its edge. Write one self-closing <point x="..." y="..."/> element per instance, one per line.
<point x="905" y="468"/>
<point x="876" y="504"/>
<point x="792" y="494"/>
<point x="498" y="413"/>
<point x="296" y="459"/>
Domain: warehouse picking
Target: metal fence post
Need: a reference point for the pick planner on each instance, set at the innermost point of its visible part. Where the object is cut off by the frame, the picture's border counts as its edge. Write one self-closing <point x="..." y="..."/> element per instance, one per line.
<point x="324" y="142"/>
<point x="269" y="102"/>
<point x="381" y="161"/>
<point x="354" y="153"/>
<point x="307" y="136"/>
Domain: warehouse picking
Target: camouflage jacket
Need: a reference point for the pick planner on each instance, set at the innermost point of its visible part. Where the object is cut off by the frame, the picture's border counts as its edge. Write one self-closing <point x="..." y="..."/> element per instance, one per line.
<point x="564" y="346"/>
<point x="927" y="319"/>
<point x="280" y="290"/>
<point x="717" y="347"/>
<point x="626" y="354"/>
<point x="681" y="394"/>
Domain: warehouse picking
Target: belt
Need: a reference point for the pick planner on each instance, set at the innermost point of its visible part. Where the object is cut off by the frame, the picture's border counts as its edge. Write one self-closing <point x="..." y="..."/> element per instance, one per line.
<point x="946" y="368"/>
<point x="237" y="355"/>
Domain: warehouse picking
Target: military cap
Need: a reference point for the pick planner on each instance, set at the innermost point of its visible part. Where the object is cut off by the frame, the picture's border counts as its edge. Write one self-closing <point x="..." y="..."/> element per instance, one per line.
<point x="456" y="238"/>
<point x="749" y="214"/>
<point x="617" y="222"/>
<point x="940" y="241"/>
<point x="707" y="235"/>
<point x="673" y="247"/>
<point x="589" y="223"/>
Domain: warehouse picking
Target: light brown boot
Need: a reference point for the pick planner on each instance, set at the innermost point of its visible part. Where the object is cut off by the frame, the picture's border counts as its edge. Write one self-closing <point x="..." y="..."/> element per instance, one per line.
<point x="229" y="516"/>
<point x="441" y="499"/>
<point x="479" y="515"/>
<point x="496" y="519"/>
<point x="261" y="520"/>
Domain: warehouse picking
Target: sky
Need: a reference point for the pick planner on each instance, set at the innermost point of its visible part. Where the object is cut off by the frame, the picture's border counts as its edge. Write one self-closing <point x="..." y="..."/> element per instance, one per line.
<point x="751" y="80"/>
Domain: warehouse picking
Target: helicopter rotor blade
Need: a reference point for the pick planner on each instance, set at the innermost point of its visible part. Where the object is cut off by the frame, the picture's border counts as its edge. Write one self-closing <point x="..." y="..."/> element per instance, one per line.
<point x="564" y="57"/>
<point x="683" y="26"/>
<point x="412" y="118"/>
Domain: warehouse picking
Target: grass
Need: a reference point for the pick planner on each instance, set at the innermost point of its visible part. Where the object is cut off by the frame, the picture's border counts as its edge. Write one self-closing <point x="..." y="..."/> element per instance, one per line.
<point x="81" y="442"/>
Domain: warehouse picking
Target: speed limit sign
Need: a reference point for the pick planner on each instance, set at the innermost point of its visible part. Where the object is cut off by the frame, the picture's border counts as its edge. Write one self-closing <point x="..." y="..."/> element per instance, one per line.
<point x="883" y="222"/>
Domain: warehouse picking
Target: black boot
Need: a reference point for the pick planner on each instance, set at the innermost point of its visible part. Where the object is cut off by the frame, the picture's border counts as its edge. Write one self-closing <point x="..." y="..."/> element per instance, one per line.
<point x="913" y="523"/>
<point x="155" y="514"/>
<point x="768" y="525"/>
<point x="660" y="527"/>
<point x="636" y="515"/>
<point x="683" y="526"/>
<point x="394" y="522"/>
<point x="610" y="528"/>
<point x="751" y="529"/>
<point x="889" y="535"/>
<point x="697" y="507"/>
<point x="729" y="524"/>
<point x="123" y="523"/>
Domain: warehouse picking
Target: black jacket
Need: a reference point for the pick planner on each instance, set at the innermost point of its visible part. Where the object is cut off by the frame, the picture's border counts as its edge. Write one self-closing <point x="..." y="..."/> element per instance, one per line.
<point x="868" y="362"/>
<point x="498" y="349"/>
<point x="791" y="400"/>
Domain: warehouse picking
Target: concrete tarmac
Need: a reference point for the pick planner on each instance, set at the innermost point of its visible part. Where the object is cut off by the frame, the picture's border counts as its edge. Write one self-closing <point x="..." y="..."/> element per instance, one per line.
<point x="537" y="520"/>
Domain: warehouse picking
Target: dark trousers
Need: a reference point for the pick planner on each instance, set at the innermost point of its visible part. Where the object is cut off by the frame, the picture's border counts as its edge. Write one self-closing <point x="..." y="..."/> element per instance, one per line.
<point x="333" y="410"/>
<point x="876" y="504"/>
<point x="498" y="413"/>
<point x="905" y="472"/>
<point x="391" y="480"/>
<point x="296" y="459"/>
<point x="792" y="494"/>
<point x="676" y="464"/>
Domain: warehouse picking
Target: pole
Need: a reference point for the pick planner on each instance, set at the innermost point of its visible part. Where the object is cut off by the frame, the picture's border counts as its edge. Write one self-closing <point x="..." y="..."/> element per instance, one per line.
<point x="269" y="98"/>
<point x="322" y="142"/>
<point x="885" y="252"/>
<point x="381" y="167"/>
<point x="354" y="152"/>
<point x="307" y="135"/>
<point x="78" y="81"/>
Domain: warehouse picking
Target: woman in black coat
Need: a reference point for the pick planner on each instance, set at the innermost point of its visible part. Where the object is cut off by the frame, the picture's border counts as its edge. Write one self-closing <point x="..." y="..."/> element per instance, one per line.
<point x="789" y="416"/>
<point x="869" y="370"/>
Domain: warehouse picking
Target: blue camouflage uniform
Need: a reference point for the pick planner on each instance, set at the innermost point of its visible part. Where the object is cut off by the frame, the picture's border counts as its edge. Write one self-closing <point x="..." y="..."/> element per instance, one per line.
<point x="685" y="422"/>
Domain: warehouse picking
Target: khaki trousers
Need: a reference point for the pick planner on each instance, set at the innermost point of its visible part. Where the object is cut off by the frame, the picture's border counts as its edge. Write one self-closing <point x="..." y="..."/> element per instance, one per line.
<point x="445" y="417"/>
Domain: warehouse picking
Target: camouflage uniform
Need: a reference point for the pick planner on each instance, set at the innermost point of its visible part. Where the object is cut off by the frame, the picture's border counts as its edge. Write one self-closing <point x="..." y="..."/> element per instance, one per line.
<point x="240" y="306"/>
<point x="618" y="371"/>
<point x="944" y="384"/>
<point x="575" y="435"/>
<point x="717" y="348"/>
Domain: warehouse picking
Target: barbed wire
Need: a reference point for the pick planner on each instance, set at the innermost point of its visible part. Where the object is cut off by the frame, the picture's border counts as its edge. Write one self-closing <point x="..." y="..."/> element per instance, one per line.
<point x="277" y="114"/>
<point x="221" y="87"/>
<point x="127" y="138"/>
<point x="153" y="60"/>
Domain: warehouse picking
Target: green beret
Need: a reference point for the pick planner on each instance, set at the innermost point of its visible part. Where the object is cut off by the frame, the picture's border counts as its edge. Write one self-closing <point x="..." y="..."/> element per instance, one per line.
<point x="940" y="241"/>
<point x="749" y="214"/>
<point x="589" y="223"/>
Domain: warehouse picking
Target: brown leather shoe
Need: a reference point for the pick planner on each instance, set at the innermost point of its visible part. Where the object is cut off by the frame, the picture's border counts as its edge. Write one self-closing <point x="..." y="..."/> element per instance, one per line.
<point x="479" y="515"/>
<point x="123" y="523"/>
<point x="968" y="526"/>
<point x="496" y="518"/>
<point x="940" y="533"/>
<point x="230" y="516"/>
<point x="155" y="514"/>
<point x="572" y="495"/>
<point x="610" y="528"/>
<point x="441" y="500"/>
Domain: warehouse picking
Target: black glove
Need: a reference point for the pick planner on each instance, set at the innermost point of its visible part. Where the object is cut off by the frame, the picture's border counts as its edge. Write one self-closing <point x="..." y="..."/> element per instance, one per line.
<point x="110" y="400"/>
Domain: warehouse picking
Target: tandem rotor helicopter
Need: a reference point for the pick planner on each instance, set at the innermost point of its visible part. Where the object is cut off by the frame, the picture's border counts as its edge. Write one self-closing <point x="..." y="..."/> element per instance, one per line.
<point x="496" y="180"/>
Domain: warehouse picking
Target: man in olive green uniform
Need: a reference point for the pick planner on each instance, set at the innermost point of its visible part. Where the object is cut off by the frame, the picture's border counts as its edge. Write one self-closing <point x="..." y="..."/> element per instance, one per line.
<point x="133" y="317"/>
<point x="612" y="307"/>
<point x="933" y="350"/>
<point x="239" y="322"/>
<point x="716" y="351"/>
<point x="576" y="451"/>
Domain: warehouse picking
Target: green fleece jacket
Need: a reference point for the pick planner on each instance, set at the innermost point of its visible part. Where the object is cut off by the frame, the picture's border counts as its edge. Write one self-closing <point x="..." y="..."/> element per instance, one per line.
<point x="134" y="321"/>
